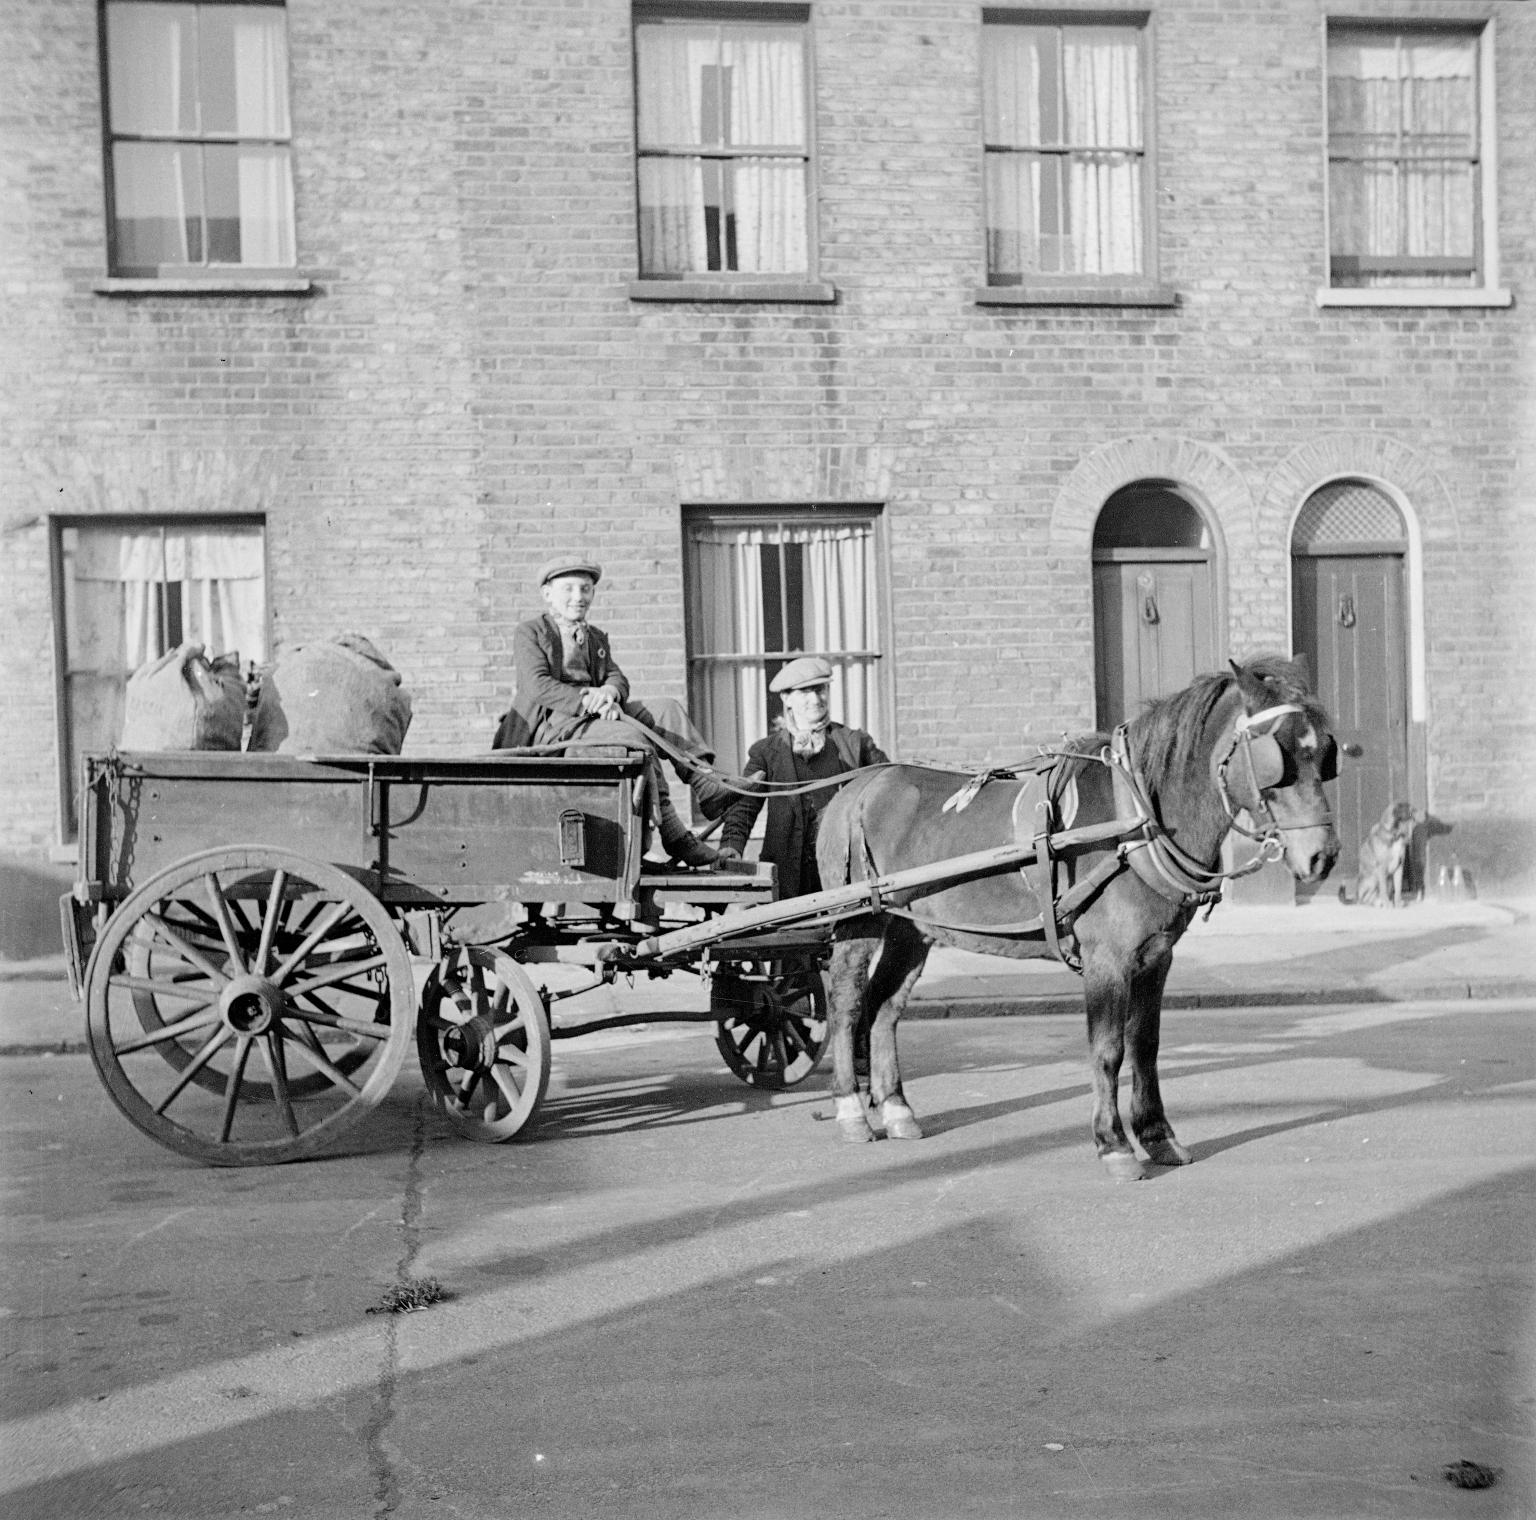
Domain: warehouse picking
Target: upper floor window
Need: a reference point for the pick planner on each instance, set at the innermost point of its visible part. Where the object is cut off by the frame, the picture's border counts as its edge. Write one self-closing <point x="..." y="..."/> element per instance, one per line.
<point x="766" y="584"/>
<point x="130" y="589"/>
<point x="200" y="163"/>
<point x="1409" y="184"/>
<point x="723" y="139"/>
<point x="1064" y="133"/>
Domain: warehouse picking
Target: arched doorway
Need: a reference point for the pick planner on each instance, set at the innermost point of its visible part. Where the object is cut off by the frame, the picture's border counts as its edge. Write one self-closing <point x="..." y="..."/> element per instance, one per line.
<point x="1154" y="598"/>
<point x="1348" y="618"/>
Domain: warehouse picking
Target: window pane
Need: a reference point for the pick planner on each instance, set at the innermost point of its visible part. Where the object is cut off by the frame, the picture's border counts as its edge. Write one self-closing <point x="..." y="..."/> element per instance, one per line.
<point x="157" y="197"/>
<point x="250" y="200"/>
<point x="243" y="82"/>
<point x="1101" y="71"/>
<point x="152" y="69"/>
<point x="716" y="86"/>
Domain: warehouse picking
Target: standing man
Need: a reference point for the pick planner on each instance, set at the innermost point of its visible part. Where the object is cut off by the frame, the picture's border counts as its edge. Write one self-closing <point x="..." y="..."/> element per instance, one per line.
<point x="569" y="685"/>
<point x="804" y="746"/>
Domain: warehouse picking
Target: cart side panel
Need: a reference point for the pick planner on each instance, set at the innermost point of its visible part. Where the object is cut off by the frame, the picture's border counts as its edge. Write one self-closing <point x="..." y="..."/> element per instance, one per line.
<point x="142" y="823"/>
<point x="535" y="839"/>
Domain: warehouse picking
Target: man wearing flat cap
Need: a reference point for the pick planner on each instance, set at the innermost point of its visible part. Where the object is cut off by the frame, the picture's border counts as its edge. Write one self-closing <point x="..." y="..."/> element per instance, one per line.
<point x="569" y="685"/>
<point x="805" y="746"/>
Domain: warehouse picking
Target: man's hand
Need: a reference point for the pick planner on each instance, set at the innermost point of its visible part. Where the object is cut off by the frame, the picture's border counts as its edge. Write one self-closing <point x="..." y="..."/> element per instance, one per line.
<point x="602" y="700"/>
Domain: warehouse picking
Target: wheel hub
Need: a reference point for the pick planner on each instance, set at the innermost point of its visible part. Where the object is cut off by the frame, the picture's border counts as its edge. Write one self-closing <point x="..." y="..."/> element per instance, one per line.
<point x="471" y="1046"/>
<point x="251" y="1005"/>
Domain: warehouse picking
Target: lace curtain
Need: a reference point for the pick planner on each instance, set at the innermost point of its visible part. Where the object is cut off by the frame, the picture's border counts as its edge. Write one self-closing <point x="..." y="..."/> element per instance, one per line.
<point x="1402" y="126"/>
<point x="724" y="87"/>
<point x="1062" y="121"/>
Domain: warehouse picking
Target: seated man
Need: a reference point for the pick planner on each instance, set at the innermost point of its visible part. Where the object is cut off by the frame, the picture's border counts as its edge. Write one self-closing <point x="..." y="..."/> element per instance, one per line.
<point x="804" y="746"/>
<point x="569" y="686"/>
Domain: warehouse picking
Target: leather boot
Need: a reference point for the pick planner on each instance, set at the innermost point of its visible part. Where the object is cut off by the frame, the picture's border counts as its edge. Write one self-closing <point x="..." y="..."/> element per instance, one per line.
<point x="680" y="845"/>
<point x="711" y="796"/>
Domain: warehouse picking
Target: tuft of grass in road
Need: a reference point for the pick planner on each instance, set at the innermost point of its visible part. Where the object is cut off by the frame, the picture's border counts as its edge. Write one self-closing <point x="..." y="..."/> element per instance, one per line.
<point x="409" y="1296"/>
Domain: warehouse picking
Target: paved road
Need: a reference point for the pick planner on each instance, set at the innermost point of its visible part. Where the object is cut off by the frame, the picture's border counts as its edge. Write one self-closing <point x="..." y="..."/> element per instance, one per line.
<point x="685" y="1299"/>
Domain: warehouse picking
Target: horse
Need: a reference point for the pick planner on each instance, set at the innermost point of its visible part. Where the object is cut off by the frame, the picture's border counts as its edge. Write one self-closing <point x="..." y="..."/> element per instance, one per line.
<point x="1127" y="831"/>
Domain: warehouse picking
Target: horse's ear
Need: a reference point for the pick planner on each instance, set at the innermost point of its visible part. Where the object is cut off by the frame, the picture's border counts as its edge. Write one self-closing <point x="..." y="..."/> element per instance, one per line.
<point x="1253" y="689"/>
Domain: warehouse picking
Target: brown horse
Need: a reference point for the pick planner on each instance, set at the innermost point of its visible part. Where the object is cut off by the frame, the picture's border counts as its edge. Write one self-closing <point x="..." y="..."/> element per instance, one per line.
<point x="1128" y="833"/>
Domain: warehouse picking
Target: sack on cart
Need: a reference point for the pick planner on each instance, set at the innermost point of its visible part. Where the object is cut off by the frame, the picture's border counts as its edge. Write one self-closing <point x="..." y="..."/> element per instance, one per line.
<point x="338" y="698"/>
<point x="184" y="700"/>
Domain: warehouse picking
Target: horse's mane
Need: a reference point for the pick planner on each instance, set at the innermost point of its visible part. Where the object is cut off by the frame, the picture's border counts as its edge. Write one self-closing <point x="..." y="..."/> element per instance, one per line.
<point x="1164" y="736"/>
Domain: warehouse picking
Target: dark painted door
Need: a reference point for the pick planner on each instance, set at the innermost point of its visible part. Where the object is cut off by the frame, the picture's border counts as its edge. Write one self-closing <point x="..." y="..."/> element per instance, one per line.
<point x="1153" y="626"/>
<point x="1347" y="616"/>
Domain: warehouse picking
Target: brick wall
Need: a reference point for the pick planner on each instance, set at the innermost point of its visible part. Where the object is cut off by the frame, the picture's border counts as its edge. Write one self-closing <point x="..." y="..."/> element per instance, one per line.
<point x="468" y="386"/>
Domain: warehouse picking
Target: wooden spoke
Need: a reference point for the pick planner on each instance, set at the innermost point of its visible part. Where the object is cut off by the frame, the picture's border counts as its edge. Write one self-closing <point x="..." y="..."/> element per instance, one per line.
<point x="232" y="1091"/>
<point x="269" y="923"/>
<point x="225" y="922"/>
<point x="271" y="1047"/>
<point x="219" y="1037"/>
<point x="188" y="952"/>
<point x="201" y="1018"/>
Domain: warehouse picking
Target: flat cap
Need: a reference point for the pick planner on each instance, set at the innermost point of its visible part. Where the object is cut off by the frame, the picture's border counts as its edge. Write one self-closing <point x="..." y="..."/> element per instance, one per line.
<point x="808" y="670"/>
<point x="569" y="564"/>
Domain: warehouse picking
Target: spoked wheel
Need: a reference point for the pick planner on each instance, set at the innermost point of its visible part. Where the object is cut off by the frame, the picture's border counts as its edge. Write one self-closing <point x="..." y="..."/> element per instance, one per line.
<point x="247" y="1005"/>
<point x="771" y="1024"/>
<point x="484" y="1042"/>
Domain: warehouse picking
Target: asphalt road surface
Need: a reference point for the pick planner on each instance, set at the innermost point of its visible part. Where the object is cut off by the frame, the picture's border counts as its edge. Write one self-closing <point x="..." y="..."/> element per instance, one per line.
<point x="679" y="1298"/>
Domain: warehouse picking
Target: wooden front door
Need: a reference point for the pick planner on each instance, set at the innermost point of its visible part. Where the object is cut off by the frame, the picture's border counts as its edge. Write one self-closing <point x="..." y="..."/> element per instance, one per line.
<point x="1153" y="626"/>
<point x="1347" y="619"/>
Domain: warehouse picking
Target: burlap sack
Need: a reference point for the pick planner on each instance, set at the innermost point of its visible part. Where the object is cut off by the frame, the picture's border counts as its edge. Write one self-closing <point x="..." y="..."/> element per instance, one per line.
<point x="340" y="698"/>
<point x="184" y="700"/>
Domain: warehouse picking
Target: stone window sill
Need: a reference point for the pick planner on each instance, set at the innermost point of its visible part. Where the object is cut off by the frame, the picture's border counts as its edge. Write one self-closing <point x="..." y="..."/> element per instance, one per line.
<point x="749" y="291"/>
<point x="1485" y="297"/>
<point x="250" y="285"/>
<point x="1076" y="295"/>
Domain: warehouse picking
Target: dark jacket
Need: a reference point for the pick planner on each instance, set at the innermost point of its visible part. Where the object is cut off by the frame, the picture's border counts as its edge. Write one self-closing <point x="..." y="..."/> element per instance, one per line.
<point x="541" y="693"/>
<point x="785" y="840"/>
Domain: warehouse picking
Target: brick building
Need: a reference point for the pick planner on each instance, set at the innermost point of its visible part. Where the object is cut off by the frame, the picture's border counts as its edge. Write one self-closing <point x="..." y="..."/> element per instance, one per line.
<point x="1022" y="360"/>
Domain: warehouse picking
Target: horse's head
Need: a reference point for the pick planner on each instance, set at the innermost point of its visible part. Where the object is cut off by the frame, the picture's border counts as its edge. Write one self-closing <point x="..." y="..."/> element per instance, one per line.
<point x="1273" y="761"/>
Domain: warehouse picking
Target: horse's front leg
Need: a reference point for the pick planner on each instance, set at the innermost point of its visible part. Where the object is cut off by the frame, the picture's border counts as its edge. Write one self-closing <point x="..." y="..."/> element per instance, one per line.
<point x="1149" y="1123"/>
<point x="1107" y="994"/>
<point x="903" y="953"/>
<point x="853" y="948"/>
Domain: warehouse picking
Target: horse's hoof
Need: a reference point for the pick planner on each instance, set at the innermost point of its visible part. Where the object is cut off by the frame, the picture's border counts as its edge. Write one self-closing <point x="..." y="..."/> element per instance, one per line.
<point x="900" y="1122"/>
<point x="1169" y="1152"/>
<point x="1124" y="1166"/>
<point x="853" y="1121"/>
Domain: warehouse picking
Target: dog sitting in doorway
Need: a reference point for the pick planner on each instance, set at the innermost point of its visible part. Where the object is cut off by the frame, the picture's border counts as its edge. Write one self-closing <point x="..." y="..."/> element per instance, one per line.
<point x="1383" y="856"/>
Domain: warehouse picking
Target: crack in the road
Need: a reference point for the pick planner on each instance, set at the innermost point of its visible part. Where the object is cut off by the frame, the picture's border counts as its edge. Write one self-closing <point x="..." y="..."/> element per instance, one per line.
<point x="386" y="1484"/>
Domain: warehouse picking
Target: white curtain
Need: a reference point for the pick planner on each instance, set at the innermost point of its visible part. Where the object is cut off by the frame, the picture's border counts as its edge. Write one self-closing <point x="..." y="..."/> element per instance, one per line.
<point x="721" y="87"/>
<point x="116" y="579"/>
<point x="1402" y="115"/>
<point x="1078" y="209"/>
<point x="731" y="697"/>
<point x="840" y="577"/>
<point x="261" y="110"/>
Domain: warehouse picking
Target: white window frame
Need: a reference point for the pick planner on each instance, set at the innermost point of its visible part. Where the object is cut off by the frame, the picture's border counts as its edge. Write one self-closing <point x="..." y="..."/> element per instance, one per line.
<point x="1488" y="292"/>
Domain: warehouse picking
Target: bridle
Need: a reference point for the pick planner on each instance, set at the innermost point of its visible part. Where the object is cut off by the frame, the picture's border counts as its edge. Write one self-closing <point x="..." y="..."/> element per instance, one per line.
<point x="1263" y="763"/>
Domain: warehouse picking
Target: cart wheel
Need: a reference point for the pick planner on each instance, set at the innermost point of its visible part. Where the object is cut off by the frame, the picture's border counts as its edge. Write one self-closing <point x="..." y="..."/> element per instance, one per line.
<point x="264" y="1039"/>
<point x="772" y="1025"/>
<point x="483" y="1040"/>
